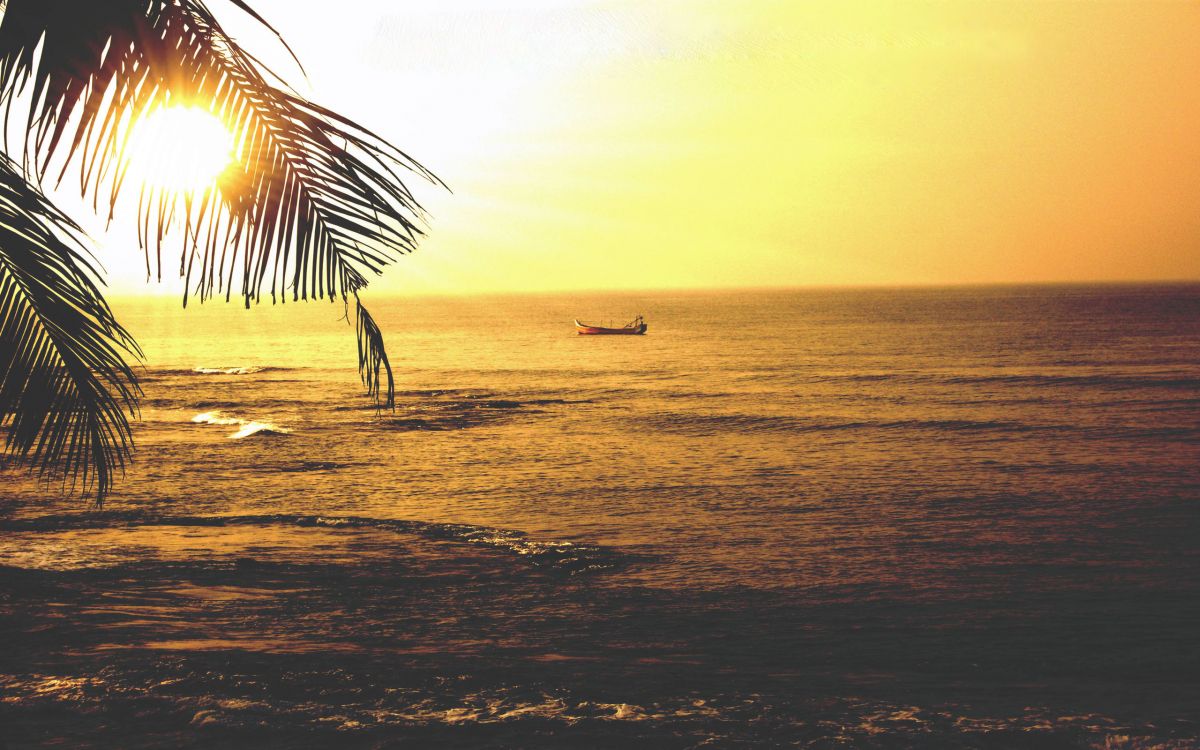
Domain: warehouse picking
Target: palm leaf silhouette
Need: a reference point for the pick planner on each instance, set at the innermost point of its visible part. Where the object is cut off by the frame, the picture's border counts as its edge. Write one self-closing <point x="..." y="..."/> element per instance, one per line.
<point x="312" y="207"/>
<point x="65" y="389"/>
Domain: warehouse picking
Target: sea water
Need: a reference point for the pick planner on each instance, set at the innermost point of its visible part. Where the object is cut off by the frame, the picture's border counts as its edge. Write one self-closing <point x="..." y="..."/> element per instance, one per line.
<point x="831" y="518"/>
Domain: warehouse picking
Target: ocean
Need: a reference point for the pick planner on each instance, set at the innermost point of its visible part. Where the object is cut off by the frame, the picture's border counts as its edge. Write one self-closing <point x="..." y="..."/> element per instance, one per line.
<point x="954" y="518"/>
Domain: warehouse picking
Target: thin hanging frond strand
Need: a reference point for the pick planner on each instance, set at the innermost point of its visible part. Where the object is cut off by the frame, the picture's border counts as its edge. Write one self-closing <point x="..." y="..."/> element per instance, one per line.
<point x="373" y="359"/>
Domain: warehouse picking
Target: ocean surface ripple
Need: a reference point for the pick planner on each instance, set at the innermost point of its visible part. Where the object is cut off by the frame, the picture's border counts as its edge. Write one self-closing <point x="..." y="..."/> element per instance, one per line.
<point x="952" y="518"/>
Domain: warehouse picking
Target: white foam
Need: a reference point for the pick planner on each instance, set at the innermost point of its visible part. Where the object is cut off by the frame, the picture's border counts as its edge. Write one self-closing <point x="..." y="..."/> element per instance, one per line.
<point x="214" y="417"/>
<point x="227" y="370"/>
<point x="246" y="427"/>
<point x="253" y="428"/>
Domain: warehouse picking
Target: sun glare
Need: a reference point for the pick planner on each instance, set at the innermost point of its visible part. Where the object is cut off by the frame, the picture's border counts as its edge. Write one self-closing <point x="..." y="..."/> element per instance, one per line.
<point x="180" y="149"/>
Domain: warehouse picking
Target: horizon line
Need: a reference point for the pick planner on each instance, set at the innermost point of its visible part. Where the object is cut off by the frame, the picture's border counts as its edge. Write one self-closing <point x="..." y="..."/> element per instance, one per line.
<point x="859" y="286"/>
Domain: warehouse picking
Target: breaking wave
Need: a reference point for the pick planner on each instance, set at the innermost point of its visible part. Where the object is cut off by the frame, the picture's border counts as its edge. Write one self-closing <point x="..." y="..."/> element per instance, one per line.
<point x="187" y="400"/>
<point x="461" y="413"/>
<point x="1114" y="381"/>
<point x="686" y="423"/>
<point x="199" y="370"/>
<point x="566" y="557"/>
<point x="707" y="424"/>
<point x="246" y="427"/>
<point x="533" y="714"/>
<point x="227" y="370"/>
<point x="306" y="466"/>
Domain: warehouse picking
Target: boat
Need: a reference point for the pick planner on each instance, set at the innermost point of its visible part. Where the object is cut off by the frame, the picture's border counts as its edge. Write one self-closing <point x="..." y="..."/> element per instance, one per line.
<point x="636" y="327"/>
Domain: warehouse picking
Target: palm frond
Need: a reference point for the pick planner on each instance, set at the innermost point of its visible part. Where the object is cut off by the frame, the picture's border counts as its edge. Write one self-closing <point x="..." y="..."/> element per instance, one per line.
<point x="373" y="359"/>
<point x="65" y="388"/>
<point x="314" y="205"/>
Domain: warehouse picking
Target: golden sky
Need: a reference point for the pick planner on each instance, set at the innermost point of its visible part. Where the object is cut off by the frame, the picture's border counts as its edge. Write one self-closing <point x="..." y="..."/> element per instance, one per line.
<point x="698" y="143"/>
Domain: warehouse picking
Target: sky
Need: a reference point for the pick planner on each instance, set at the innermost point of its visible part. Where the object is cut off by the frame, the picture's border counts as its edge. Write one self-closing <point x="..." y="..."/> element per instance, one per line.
<point x="752" y="143"/>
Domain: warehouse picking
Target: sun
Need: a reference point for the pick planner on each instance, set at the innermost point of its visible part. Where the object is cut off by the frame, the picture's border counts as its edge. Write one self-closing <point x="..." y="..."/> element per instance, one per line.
<point x="180" y="149"/>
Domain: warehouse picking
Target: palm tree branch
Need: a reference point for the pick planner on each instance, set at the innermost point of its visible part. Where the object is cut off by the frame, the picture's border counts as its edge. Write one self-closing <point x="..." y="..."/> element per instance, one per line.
<point x="66" y="391"/>
<point x="314" y="203"/>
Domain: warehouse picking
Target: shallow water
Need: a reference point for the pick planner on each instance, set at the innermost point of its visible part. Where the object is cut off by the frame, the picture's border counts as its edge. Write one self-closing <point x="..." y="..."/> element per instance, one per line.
<point x="958" y="518"/>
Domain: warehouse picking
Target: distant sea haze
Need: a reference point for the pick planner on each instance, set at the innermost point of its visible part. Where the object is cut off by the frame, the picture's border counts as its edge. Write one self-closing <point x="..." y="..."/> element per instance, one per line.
<point x="859" y="518"/>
